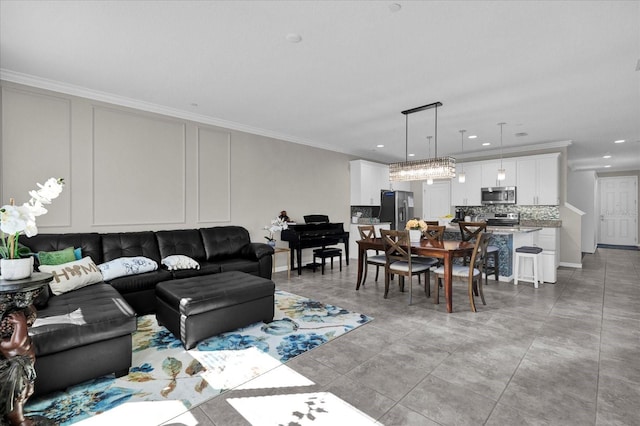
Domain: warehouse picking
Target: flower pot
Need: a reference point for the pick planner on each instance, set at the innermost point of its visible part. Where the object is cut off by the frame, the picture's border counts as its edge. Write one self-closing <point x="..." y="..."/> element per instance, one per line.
<point x="415" y="235"/>
<point x="16" y="269"/>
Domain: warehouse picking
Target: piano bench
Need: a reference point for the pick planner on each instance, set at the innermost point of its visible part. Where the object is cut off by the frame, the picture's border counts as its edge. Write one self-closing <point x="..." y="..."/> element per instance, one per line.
<point x="324" y="253"/>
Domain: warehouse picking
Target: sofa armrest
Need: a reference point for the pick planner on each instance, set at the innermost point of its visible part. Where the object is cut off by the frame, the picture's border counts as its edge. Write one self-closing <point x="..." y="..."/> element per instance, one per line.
<point x="256" y="251"/>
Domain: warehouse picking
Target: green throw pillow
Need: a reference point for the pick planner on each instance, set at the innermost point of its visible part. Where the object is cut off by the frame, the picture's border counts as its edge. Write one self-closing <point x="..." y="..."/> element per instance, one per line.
<point x="57" y="257"/>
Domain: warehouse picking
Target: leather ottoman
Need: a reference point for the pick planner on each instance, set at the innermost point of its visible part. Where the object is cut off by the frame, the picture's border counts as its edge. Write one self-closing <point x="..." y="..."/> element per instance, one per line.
<point x="199" y="307"/>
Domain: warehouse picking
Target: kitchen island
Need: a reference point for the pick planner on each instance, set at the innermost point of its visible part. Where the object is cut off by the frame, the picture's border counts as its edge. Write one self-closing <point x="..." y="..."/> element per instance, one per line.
<point x="507" y="239"/>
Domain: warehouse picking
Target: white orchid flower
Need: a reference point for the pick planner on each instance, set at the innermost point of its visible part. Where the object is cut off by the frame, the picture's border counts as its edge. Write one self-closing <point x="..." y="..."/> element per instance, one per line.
<point x="14" y="219"/>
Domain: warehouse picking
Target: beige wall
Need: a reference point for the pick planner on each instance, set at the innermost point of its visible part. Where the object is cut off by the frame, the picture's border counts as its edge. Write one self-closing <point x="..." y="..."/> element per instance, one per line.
<point x="127" y="169"/>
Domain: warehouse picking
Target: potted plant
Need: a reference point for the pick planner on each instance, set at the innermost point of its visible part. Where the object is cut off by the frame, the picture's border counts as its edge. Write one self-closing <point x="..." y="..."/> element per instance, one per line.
<point x="17" y="220"/>
<point x="277" y="224"/>
<point x="416" y="227"/>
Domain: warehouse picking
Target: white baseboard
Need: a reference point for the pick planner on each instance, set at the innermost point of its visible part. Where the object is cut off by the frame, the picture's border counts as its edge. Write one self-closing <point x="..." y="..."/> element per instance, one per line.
<point x="571" y="265"/>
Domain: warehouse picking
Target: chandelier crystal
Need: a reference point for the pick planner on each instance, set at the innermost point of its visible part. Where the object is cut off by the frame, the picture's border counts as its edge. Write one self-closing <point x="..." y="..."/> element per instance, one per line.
<point x="429" y="169"/>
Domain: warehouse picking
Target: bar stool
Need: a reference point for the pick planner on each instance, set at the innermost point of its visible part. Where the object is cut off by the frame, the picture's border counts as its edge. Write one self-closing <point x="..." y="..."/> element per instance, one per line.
<point x="324" y="253"/>
<point x="535" y="254"/>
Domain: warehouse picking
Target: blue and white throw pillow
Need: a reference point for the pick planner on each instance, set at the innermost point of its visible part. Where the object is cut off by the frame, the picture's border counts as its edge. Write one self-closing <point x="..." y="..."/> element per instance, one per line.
<point x="124" y="266"/>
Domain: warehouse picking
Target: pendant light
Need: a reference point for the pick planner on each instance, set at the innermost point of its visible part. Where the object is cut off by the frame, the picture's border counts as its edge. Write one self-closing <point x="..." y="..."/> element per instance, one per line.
<point x="461" y="176"/>
<point x="502" y="174"/>
<point x="429" y="169"/>
<point x="429" y="179"/>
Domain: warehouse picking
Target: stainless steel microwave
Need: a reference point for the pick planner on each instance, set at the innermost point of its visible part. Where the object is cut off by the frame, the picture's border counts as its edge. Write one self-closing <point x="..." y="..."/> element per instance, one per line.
<point x="498" y="195"/>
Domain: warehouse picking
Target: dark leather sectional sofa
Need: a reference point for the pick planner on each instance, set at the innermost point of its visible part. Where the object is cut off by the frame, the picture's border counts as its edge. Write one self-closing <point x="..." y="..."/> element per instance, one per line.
<point x="86" y="333"/>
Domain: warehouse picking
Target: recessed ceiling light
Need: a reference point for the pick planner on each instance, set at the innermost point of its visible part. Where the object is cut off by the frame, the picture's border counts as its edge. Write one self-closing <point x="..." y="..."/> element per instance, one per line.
<point x="606" y="156"/>
<point x="619" y="141"/>
<point x="395" y="7"/>
<point x="412" y="155"/>
<point x="472" y="136"/>
<point x="607" y="166"/>
<point x="293" y="38"/>
<point x="380" y="146"/>
<point x="521" y="134"/>
<point x="486" y="144"/>
<point x="193" y="104"/>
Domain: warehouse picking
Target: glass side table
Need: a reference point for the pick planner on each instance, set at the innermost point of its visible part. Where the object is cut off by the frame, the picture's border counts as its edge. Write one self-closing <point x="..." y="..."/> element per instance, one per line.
<point x="286" y="250"/>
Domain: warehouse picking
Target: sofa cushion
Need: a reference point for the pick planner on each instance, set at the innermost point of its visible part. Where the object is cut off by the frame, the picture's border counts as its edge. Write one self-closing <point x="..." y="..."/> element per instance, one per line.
<point x="223" y="242"/>
<point x="128" y="244"/>
<point x="140" y="282"/>
<point x="125" y="266"/>
<point x="89" y="243"/>
<point x="72" y="275"/>
<point x="87" y="315"/>
<point x="187" y="242"/>
<point x="242" y="265"/>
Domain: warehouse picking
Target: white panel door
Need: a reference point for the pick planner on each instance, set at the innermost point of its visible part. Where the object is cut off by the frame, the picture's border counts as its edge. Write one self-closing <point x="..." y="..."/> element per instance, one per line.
<point x="436" y="200"/>
<point x="618" y="210"/>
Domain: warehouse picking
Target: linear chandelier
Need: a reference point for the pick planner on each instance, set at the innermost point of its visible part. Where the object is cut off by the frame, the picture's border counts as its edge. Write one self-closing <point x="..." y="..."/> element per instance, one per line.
<point x="429" y="169"/>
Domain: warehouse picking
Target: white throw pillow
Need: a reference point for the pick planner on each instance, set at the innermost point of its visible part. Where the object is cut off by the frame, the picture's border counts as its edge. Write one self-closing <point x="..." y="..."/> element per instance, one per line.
<point x="72" y="275"/>
<point x="124" y="266"/>
<point x="180" y="261"/>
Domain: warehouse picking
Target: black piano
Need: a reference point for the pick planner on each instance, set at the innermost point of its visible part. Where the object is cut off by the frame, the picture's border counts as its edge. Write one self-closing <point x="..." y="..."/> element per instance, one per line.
<point x="316" y="232"/>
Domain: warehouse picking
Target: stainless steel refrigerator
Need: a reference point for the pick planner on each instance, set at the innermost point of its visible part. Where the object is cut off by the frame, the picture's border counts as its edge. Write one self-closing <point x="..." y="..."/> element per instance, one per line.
<point x="396" y="207"/>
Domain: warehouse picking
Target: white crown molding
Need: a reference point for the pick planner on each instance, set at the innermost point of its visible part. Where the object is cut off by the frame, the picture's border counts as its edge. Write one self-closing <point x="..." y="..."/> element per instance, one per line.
<point x="514" y="150"/>
<point x="83" y="92"/>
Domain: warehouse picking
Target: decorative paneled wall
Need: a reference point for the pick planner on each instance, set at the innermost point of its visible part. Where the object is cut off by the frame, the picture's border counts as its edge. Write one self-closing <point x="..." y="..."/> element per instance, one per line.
<point x="138" y="168"/>
<point x="214" y="175"/>
<point x="39" y="128"/>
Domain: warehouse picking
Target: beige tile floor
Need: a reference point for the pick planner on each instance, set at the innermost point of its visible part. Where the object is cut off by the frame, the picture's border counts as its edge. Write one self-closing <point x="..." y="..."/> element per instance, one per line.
<point x="564" y="354"/>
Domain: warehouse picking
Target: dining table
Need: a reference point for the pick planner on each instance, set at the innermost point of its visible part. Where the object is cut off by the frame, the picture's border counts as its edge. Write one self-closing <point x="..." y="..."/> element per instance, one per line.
<point x="446" y="250"/>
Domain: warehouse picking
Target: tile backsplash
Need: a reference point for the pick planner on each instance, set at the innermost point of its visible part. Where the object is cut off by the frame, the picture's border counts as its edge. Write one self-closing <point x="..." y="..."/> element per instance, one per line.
<point x="526" y="212"/>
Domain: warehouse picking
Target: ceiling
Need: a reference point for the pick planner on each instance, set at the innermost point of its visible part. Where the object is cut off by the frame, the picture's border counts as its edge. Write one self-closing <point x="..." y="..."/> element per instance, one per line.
<point x="560" y="72"/>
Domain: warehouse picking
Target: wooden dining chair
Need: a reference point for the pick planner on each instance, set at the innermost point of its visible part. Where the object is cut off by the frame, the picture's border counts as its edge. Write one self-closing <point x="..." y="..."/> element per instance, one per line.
<point x="471" y="273"/>
<point x="397" y="248"/>
<point x="431" y="222"/>
<point x="469" y="231"/>
<point x="368" y="232"/>
<point x="435" y="235"/>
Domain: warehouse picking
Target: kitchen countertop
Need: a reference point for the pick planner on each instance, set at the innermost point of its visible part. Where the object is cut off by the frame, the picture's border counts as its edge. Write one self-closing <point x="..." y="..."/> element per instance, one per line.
<point x="518" y="229"/>
<point x="541" y="223"/>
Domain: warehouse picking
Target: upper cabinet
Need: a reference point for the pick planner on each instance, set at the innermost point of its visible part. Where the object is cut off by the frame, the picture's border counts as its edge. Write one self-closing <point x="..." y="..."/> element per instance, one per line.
<point x="538" y="180"/>
<point x="367" y="179"/>
<point x="490" y="173"/>
<point x="467" y="193"/>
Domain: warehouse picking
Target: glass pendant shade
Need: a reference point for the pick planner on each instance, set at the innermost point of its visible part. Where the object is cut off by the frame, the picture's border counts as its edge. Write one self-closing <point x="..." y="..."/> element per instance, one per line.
<point x="462" y="177"/>
<point x="502" y="174"/>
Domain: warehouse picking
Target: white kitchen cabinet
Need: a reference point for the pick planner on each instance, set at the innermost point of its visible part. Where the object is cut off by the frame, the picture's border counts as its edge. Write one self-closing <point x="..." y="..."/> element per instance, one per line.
<point x="467" y="193"/>
<point x="354" y="236"/>
<point x="549" y="241"/>
<point x="490" y="173"/>
<point x="367" y="179"/>
<point x="538" y="180"/>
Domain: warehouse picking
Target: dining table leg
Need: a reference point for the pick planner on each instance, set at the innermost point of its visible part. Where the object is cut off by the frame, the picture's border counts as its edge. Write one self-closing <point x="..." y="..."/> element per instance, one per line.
<point x="448" y="278"/>
<point x="360" y="266"/>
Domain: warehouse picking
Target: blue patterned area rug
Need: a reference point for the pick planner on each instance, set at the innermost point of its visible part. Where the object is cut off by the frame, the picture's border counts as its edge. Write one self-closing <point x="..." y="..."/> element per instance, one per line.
<point x="162" y="370"/>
